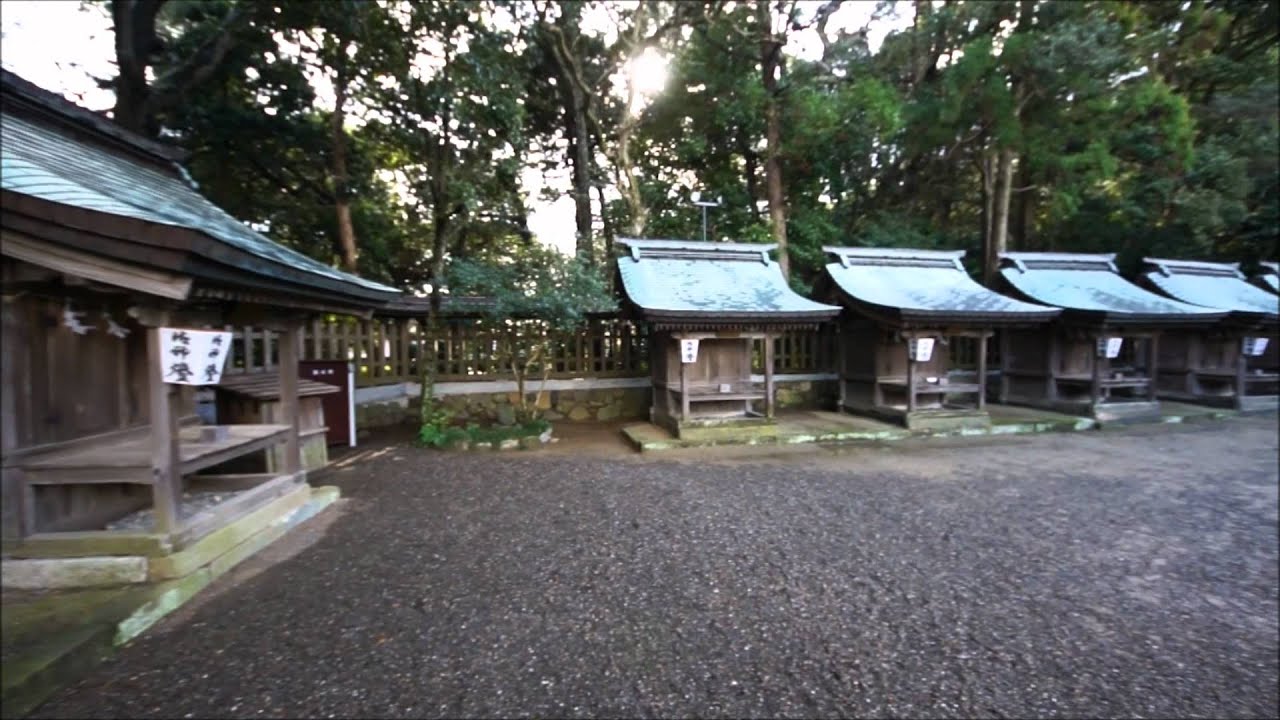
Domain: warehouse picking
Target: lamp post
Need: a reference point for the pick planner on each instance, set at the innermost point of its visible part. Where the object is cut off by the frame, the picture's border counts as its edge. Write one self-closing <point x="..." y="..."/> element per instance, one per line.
<point x="704" y="204"/>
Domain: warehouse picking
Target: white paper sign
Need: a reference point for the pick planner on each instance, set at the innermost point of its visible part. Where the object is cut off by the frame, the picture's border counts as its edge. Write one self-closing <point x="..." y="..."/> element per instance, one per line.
<point x="194" y="357"/>
<point x="1255" y="346"/>
<point x="689" y="350"/>
<point x="1113" y="347"/>
<point x="921" y="349"/>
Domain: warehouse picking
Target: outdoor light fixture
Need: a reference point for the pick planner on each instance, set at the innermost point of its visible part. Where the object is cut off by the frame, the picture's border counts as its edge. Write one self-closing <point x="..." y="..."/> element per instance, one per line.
<point x="1109" y="347"/>
<point x="696" y="196"/>
<point x="1254" y="346"/>
<point x="920" y="349"/>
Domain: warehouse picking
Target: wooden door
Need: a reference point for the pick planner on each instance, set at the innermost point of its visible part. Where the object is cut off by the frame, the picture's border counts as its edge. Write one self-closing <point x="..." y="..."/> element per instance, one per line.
<point x="337" y="406"/>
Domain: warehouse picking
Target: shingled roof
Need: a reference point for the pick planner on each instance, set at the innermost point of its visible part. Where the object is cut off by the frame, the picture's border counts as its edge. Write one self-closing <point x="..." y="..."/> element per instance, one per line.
<point x="1089" y="288"/>
<point x="923" y="286"/>
<point x="71" y="176"/>
<point x="709" y="285"/>
<point x="1215" y="285"/>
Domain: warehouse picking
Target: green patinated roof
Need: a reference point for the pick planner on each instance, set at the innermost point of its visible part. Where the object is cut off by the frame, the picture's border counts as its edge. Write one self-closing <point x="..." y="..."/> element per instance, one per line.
<point x="1215" y="285"/>
<point x="78" y="162"/>
<point x="1089" y="283"/>
<point x="924" y="283"/>
<point x="706" y="280"/>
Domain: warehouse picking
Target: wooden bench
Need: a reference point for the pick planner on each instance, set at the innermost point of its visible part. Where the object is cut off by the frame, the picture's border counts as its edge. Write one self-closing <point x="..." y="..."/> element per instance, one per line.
<point x="711" y="393"/>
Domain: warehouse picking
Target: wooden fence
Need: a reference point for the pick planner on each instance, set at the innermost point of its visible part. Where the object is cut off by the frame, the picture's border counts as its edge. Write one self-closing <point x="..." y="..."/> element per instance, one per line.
<point x="387" y="350"/>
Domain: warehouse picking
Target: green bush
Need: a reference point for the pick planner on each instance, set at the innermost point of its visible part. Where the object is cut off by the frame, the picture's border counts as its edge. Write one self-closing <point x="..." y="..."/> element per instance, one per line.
<point x="439" y="437"/>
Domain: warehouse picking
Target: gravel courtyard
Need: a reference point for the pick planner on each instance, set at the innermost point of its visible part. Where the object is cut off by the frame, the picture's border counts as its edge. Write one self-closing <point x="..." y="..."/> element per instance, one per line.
<point x="1099" y="574"/>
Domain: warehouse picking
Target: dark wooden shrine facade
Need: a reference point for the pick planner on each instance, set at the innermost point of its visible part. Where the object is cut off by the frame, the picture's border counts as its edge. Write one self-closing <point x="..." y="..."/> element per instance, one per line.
<point x="723" y="296"/>
<point x="1231" y="364"/>
<point x="105" y="242"/>
<point x="893" y="300"/>
<point x="1068" y="369"/>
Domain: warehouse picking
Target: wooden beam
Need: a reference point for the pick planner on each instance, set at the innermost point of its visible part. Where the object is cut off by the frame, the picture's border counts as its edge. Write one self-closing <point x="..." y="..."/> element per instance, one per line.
<point x="1005" y="367"/>
<point x="166" y="490"/>
<point x="768" y="376"/>
<point x="684" y="384"/>
<point x="982" y="371"/>
<point x="94" y="267"/>
<point x="1095" y="387"/>
<point x="1153" y="364"/>
<point x="289" y="341"/>
<point x="911" y="376"/>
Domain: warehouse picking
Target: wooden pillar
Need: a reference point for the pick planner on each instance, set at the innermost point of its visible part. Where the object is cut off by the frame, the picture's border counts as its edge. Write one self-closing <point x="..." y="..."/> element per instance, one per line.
<point x="166" y="465"/>
<point x="1056" y="340"/>
<point x="289" y="397"/>
<point x="768" y="375"/>
<point x="15" y="373"/>
<point x="843" y="366"/>
<point x="1095" y="387"/>
<point x="684" y="388"/>
<point x="1153" y="364"/>
<point x="1004" y="366"/>
<point x="1242" y="369"/>
<point x="911" y="378"/>
<point x="982" y="370"/>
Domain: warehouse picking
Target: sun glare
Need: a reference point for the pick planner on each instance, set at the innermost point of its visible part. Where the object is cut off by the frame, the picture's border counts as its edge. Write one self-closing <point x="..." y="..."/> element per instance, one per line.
<point x="649" y="74"/>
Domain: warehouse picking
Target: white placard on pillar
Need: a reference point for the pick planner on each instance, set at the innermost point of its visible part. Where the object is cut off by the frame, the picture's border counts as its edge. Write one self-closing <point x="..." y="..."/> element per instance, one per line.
<point x="689" y="350"/>
<point x="920" y="349"/>
<point x="1113" y="347"/>
<point x="1255" y="346"/>
<point x="194" y="357"/>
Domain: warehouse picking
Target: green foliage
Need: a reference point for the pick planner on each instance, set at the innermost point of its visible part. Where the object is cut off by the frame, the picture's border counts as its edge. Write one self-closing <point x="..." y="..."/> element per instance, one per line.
<point x="447" y="436"/>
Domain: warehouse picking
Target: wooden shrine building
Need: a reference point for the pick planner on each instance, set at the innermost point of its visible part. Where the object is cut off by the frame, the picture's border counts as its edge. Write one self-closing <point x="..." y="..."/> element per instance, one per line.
<point x="1101" y="357"/>
<point x="902" y="308"/>
<point x="1234" y="363"/>
<point x="706" y="304"/>
<point x="110" y="254"/>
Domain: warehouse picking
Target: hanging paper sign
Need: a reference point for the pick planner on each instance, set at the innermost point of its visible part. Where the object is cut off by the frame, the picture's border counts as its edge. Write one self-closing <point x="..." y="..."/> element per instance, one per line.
<point x="1255" y="346"/>
<point x="194" y="357"/>
<point x="689" y="350"/>
<point x="920" y="349"/>
<point x="1113" y="347"/>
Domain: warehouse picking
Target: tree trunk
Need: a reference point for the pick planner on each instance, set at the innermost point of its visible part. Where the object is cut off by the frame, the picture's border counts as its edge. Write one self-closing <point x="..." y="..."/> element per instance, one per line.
<point x="1000" y="223"/>
<point x="751" y="170"/>
<point x="580" y="142"/>
<point x="609" y="231"/>
<point x="341" y="192"/>
<point x="771" y="65"/>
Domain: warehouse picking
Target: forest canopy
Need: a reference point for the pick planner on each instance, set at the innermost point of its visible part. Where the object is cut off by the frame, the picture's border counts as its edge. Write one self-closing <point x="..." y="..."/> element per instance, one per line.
<point x="392" y="137"/>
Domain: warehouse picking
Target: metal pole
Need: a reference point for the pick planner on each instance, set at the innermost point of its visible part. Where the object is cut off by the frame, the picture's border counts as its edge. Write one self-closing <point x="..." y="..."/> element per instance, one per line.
<point x="704" y="223"/>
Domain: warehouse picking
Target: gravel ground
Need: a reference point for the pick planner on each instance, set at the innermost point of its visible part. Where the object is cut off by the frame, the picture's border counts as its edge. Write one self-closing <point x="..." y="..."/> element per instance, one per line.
<point x="1105" y="574"/>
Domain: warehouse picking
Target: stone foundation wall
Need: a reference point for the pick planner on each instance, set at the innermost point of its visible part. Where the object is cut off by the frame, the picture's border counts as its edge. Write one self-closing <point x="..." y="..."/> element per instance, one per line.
<point x="601" y="405"/>
<point x="594" y="405"/>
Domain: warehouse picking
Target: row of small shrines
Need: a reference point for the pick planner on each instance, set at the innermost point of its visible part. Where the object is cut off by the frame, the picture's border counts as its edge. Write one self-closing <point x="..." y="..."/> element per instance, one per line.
<point x="1198" y="331"/>
<point x="99" y="417"/>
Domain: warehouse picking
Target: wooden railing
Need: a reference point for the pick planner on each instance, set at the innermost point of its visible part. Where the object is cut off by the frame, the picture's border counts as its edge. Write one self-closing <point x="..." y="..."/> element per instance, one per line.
<point x="387" y="350"/>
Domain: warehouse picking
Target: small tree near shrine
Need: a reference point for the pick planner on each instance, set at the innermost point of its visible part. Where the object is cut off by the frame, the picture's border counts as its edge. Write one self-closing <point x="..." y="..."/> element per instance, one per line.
<point x="539" y="296"/>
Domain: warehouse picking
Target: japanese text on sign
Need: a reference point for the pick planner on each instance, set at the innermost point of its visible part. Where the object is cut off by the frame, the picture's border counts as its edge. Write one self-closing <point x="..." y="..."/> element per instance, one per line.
<point x="193" y="357"/>
<point x="689" y="350"/>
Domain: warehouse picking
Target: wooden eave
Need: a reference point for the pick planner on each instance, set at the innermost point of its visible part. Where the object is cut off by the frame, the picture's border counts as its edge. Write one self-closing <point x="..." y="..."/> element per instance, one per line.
<point x="179" y="250"/>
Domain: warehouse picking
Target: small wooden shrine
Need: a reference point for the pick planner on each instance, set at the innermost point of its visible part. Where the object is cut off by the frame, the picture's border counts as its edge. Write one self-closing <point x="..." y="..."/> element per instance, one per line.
<point x="902" y="310"/>
<point x="118" y="276"/>
<point x="1232" y="364"/>
<point x="1101" y="356"/>
<point x="706" y="304"/>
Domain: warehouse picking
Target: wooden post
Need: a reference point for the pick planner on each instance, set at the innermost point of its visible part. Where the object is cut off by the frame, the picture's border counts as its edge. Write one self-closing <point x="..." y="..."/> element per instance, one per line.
<point x="1004" y="366"/>
<point x="1095" y="390"/>
<point x="1153" y="365"/>
<point x="768" y="375"/>
<point x="684" y="383"/>
<point x="843" y="361"/>
<point x="1242" y="369"/>
<point x="911" y="379"/>
<point x="982" y="370"/>
<point x="166" y="468"/>
<point x="289" y="398"/>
